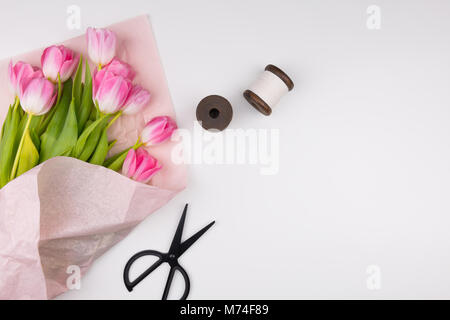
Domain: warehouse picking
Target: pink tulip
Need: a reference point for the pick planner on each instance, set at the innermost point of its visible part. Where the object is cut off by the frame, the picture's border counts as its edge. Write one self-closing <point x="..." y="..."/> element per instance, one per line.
<point x="139" y="165"/>
<point x="37" y="96"/>
<point x="137" y="100"/>
<point x="110" y="91"/>
<point x="21" y="72"/>
<point x="58" y="60"/>
<point x="158" y="130"/>
<point x="101" y="45"/>
<point x="120" y="68"/>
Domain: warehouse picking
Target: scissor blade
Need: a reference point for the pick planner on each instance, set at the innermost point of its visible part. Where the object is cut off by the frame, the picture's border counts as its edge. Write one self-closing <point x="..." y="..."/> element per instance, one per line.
<point x="189" y="242"/>
<point x="177" y="238"/>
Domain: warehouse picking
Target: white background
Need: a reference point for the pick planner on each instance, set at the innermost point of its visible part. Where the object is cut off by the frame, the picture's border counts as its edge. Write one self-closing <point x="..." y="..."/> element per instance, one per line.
<point x="364" y="173"/>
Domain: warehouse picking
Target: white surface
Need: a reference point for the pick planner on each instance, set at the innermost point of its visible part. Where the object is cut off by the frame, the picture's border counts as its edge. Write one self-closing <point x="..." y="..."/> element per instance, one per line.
<point x="364" y="175"/>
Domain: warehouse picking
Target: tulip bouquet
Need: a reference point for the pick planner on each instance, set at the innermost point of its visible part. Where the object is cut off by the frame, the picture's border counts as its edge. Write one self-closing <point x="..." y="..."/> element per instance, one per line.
<point x="81" y="149"/>
<point x="54" y="114"/>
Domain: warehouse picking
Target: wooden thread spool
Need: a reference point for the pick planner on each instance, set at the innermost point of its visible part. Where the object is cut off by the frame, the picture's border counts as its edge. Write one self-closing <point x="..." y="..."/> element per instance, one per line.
<point x="214" y="113"/>
<point x="268" y="89"/>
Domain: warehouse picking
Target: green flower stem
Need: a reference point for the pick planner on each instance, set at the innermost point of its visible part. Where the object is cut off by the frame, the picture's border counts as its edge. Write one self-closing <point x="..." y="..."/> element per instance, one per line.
<point x="16" y="103"/>
<point x="137" y="144"/>
<point x="118" y="114"/>
<point x="59" y="90"/>
<point x="19" y="149"/>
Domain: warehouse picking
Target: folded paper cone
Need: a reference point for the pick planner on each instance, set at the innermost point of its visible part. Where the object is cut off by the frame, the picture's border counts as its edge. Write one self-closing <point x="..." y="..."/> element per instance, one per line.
<point x="67" y="212"/>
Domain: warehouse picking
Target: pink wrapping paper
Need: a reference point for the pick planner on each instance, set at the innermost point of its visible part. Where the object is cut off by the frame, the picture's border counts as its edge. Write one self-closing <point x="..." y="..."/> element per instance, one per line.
<point x="67" y="212"/>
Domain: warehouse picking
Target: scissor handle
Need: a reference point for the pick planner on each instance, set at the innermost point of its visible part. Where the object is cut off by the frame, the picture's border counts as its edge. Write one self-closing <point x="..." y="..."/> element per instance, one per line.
<point x="126" y="272"/>
<point x="187" y="287"/>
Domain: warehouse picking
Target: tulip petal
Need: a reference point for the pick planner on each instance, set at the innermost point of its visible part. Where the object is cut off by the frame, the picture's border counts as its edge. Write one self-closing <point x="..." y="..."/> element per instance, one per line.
<point x="93" y="46"/>
<point x="51" y="62"/>
<point x="67" y="68"/>
<point x="136" y="101"/>
<point x="147" y="175"/>
<point x="101" y="45"/>
<point x="20" y="74"/>
<point x="129" y="165"/>
<point x="120" y="68"/>
<point x="38" y="96"/>
<point x="146" y="162"/>
<point x="158" y="130"/>
<point x="111" y="91"/>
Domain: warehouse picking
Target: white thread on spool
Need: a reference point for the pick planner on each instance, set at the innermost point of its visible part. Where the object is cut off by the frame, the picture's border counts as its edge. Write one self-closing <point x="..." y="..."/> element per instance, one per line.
<point x="267" y="90"/>
<point x="270" y="88"/>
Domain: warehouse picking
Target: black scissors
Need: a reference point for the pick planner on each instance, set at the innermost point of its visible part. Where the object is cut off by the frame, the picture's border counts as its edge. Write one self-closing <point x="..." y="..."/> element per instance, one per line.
<point x="177" y="248"/>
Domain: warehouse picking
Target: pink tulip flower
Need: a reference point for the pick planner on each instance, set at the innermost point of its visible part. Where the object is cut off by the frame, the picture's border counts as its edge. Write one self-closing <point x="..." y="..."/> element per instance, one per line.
<point x="158" y="130"/>
<point x="58" y="60"/>
<point x="120" y="68"/>
<point x="139" y="165"/>
<point x="137" y="100"/>
<point x="21" y="72"/>
<point x="101" y="45"/>
<point x="110" y="91"/>
<point x="37" y="96"/>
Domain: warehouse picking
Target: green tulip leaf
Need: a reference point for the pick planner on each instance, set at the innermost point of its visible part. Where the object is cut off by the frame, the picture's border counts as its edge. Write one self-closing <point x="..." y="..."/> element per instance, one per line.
<point x="68" y="136"/>
<point x="95" y="114"/>
<point x="35" y="138"/>
<point x="67" y="153"/>
<point x="88" y="123"/>
<point x="45" y="120"/>
<point x="66" y="139"/>
<point x="91" y="143"/>
<point x="89" y="138"/>
<point x="6" y="121"/>
<point x="35" y="120"/>
<point x="29" y="156"/>
<point x="117" y="164"/>
<point x="9" y="144"/>
<point x="101" y="151"/>
<point x="111" y="144"/>
<point x="85" y="108"/>
<point x="77" y="86"/>
<point x="56" y="124"/>
<point x="108" y="162"/>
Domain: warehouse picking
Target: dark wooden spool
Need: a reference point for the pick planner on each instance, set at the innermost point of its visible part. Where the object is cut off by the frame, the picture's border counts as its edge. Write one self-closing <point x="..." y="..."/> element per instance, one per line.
<point x="214" y="113"/>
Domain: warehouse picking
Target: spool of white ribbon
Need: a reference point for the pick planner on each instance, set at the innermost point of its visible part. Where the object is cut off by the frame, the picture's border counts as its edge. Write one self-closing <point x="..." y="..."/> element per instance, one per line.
<point x="270" y="88"/>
